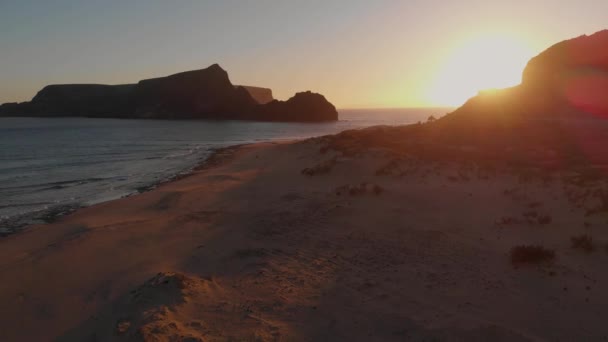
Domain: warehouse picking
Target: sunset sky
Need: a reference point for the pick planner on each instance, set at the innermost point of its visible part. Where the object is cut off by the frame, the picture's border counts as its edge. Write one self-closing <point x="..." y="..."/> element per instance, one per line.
<point x="357" y="53"/>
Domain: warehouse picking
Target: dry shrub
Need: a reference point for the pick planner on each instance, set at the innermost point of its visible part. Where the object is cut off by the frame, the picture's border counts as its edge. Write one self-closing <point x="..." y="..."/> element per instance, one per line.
<point x="378" y="189"/>
<point x="583" y="242"/>
<point x="361" y="189"/>
<point x="544" y="219"/>
<point x="321" y="168"/>
<point x="389" y="169"/>
<point x="531" y="254"/>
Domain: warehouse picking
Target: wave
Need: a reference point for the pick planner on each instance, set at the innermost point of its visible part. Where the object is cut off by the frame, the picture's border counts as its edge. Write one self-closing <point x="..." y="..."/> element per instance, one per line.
<point x="21" y="205"/>
<point x="14" y="223"/>
<point x="54" y="185"/>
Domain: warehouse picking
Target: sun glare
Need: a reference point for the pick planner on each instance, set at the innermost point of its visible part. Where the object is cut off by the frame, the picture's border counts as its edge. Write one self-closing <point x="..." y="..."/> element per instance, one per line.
<point x="482" y="62"/>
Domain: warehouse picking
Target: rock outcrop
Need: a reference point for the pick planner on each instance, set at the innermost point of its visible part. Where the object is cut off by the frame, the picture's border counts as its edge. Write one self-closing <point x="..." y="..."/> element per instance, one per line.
<point x="83" y="99"/>
<point x="559" y="110"/>
<point x="305" y="106"/>
<point x="569" y="78"/>
<point x="556" y="118"/>
<point x="261" y="95"/>
<point x="581" y="55"/>
<point x="199" y="94"/>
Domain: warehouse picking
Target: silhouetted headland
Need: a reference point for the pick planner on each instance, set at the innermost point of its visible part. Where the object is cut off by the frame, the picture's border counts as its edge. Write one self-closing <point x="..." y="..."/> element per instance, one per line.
<point x="199" y="94"/>
<point x="555" y="117"/>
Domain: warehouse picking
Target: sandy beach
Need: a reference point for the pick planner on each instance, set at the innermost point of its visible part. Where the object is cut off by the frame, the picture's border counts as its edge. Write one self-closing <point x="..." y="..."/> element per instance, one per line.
<point x="286" y="171"/>
<point x="281" y="242"/>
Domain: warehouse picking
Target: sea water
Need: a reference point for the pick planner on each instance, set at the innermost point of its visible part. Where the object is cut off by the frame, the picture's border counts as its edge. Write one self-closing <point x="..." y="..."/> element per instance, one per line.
<point x="49" y="166"/>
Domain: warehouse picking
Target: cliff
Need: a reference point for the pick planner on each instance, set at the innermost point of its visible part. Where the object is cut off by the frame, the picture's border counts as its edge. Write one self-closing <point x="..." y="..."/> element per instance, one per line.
<point x="259" y="94"/>
<point x="560" y="62"/>
<point x="555" y="118"/>
<point x="206" y="93"/>
<point x="573" y="73"/>
<point x="82" y="99"/>
<point x="199" y="94"/>
<point x="568" y="79"/>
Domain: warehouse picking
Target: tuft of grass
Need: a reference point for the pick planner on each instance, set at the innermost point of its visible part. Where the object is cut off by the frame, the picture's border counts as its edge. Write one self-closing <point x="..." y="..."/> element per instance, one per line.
<point x="583" y="242"/>
<point x="531" y="254"/>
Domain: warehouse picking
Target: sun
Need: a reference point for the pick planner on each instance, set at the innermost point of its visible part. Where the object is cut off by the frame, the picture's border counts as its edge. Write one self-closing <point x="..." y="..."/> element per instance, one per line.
<point x="481" y="62"/>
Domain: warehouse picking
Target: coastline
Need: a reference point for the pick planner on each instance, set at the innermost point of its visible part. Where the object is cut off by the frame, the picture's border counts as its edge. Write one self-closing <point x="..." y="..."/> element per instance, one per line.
<point x="41" y="205"/>
<point x="278" y="240"/>
<point x="183" y="207"/>
<point x="19" y="223"/>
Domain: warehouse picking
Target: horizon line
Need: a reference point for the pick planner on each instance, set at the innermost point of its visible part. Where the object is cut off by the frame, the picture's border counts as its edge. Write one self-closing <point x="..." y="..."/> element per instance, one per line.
<point x="403" y="107"/>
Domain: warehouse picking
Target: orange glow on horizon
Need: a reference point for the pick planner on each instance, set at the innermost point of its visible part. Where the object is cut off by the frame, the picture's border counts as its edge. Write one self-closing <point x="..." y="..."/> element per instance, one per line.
<point x="488" y="61"/>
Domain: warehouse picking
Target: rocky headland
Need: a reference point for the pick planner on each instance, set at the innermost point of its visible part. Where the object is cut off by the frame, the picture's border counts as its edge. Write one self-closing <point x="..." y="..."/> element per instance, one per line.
<point x="198" y="94"/>
<point x="555" y="118"/>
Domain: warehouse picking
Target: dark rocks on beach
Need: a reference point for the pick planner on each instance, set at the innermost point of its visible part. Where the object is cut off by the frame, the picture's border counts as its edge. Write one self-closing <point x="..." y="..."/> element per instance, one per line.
<point x="199" y="94"/>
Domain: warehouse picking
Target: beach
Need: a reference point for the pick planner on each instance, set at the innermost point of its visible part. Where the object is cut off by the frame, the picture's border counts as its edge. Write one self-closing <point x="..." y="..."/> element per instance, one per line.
<point x="53" y="166"/>
<point x="217" y="171"/>
<point x="292" y="241"/>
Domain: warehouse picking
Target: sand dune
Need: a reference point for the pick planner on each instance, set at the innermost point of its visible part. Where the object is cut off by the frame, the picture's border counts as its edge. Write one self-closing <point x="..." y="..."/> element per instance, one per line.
<point x="366" y="246"/>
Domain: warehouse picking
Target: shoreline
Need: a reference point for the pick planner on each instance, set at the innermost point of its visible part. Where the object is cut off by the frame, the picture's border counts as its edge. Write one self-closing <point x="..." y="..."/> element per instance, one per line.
<point x="16" y="222"/>
<point x="51" y="215"/>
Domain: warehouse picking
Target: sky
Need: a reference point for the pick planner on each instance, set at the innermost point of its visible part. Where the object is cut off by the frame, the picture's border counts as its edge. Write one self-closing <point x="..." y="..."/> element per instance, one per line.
<point x="358" y="53"/>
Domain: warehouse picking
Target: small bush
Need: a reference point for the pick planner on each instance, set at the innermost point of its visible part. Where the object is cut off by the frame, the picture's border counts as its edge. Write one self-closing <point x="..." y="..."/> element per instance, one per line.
<point x="583" y="242"/>
<point x="545" y="219"/>
<point x="321" y="168"/>
<point x="508" y="220"/>
<point x="389" y="169"/>
<point x="361" y="189"/>
<point x="378" y="189"/>
<point x="356" y="190"/>
<point x="531" y="254"/>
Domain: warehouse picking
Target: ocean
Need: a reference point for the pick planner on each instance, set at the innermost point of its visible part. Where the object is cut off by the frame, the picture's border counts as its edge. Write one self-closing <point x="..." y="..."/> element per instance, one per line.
<point x="49" y="167"/>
